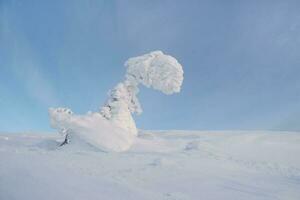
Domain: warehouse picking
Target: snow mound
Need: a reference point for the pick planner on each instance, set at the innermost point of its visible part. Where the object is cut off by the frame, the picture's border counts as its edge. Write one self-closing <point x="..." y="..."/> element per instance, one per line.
<point x="92" y="128"/>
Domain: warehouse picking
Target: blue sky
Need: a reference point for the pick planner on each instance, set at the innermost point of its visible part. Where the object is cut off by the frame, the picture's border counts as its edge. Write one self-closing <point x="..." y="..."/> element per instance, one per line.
<point x="241" y="60"/>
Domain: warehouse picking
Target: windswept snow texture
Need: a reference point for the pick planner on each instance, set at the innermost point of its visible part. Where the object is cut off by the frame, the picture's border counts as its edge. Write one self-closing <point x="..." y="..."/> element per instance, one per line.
<point x="165" y="165"/>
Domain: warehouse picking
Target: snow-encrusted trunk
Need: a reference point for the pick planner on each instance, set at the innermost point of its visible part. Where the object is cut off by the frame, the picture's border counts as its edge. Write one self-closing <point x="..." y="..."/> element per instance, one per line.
<point x="121" y="104"/>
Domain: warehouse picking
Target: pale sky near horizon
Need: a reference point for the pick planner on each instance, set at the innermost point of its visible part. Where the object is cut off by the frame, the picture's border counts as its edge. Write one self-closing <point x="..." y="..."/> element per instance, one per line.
<point x="241" y="60"/>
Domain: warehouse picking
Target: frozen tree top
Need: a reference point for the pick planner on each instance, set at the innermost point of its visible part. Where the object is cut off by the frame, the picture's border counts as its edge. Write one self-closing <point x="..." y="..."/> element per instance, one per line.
<point x="157" y="70"/>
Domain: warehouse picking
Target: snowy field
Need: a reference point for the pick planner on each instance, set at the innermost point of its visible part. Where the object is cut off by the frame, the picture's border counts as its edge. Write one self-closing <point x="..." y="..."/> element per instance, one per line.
<point x="231" y="165"/>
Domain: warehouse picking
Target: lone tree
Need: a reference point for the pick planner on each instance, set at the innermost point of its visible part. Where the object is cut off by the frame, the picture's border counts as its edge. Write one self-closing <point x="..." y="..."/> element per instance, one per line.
<point x="153" y="70"/>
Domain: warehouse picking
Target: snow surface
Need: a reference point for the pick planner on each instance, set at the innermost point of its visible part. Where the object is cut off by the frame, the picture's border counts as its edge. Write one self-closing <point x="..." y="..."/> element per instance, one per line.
<point x="208" y="165"/>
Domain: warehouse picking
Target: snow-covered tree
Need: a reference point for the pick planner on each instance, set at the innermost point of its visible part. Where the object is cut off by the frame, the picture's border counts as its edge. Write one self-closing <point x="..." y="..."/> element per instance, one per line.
<point x="154" y="70"/>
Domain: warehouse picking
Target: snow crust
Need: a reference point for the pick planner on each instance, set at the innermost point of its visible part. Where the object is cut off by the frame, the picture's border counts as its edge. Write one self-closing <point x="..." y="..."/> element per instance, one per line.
<point x="113" y="127"/>
<point x="163" y="165"/>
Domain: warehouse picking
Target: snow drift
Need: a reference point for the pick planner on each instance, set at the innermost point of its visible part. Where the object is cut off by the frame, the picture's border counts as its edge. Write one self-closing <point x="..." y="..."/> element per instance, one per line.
<point x="92" y="128"/>
<point x="168" y="165"/>
<point x="113" y="128"/>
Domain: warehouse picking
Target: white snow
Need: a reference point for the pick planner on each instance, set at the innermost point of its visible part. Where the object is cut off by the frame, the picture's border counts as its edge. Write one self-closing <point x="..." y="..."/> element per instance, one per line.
<point x="91" y="128"/>
<point x="157" y="70"/>
<point x="209" y="165"/>
<point x="113" y="128"/>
